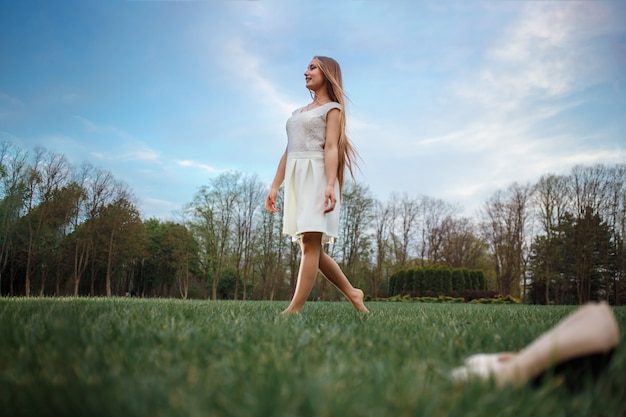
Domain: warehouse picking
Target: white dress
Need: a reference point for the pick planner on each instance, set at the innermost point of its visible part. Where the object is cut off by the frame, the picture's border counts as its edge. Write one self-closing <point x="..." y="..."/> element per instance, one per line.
<point x="305" y="176"/>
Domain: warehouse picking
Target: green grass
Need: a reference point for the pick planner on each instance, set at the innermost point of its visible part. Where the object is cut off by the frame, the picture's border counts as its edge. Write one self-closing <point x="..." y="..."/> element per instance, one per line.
<point x="132" y="357"/>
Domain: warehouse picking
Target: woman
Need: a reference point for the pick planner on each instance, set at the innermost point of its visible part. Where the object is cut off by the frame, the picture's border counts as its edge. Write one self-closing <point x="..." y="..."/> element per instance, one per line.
<point x="313" y="165"/>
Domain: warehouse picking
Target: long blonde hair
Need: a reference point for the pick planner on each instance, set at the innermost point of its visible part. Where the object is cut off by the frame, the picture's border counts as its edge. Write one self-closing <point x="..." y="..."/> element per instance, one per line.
<point x="334" y="85"/>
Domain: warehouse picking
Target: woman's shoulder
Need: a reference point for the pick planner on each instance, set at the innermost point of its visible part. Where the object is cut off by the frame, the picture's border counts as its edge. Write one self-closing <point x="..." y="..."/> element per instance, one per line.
<point x="323" y="109"/>
<point x="333" y="105"/>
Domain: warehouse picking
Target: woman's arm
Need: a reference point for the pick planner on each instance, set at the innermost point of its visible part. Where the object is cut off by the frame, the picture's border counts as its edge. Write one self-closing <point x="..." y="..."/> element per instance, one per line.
<point x="272" y="196"/>
<point x="331" y="158"/>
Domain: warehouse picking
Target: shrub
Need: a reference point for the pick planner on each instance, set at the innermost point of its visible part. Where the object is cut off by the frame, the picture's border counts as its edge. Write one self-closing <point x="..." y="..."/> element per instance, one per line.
<point x="458" y="281"/>
<point x="436" y="280"/>
<point x="416" y="279"/>
<point x="445" y="275"/>
<point x="470" y="295"/>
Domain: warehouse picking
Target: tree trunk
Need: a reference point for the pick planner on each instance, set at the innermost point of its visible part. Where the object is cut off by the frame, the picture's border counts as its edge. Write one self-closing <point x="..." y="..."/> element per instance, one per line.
<point x="547" y="286"/>
<point x="28" y="267"/>
<point x="92" y="290"/>
<point x="43" y="282"/>
<point x="109" y="266"/>
<point x="214" y="287"/>
<point x="80" y="264"/>
<point x="183" y="284"/>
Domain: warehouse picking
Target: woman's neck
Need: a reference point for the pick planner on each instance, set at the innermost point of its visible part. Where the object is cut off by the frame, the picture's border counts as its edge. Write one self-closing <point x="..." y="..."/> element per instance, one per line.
<point x="321" y="97"/>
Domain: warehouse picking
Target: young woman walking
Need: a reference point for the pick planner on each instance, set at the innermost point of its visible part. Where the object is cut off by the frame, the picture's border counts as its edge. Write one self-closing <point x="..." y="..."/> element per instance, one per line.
<point x="312" y="167"/>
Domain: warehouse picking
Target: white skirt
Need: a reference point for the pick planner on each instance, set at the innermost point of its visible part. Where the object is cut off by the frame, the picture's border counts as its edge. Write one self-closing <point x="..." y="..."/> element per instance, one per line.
<point x="305" y="188"/>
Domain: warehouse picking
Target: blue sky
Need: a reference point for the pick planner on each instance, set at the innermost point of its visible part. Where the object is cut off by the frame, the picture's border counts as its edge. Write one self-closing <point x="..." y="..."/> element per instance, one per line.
<point x="449" y="99"/>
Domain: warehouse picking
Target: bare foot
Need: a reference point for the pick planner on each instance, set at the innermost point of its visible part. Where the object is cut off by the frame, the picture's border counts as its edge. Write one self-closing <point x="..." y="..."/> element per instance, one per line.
<point x="483" y="365"/>
<point x="289" y="311"/>
<point x="357" y="301"/>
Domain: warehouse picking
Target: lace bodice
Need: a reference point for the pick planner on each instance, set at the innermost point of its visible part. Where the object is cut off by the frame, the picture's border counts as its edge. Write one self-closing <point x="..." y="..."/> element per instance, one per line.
<point x="306" y="131"/>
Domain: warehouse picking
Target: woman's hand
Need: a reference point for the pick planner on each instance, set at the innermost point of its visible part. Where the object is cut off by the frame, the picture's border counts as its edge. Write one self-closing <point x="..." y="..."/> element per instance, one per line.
<point x="329" y="199"/>
<point x="270" y="201"/>
<point x="272" y="196"/>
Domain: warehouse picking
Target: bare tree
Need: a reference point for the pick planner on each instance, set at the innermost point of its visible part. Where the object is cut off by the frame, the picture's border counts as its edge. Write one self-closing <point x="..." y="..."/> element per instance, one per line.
<point x="212" y="215"/>
<point x="588" y="191"/>
<point x="59" y="252"/>
<point x="504" y="220"/>
<point x="619" y="229"/>
<point x="589" y="188"/>
<point x="251" y="194"/>
<point x="98" y="187"/>
<point x="271" y="246"/>
<point x="355" y="219"/>
<point x="119" y="223"/>
<point x="616" y="219"/>
<point x="382" y="219"/>
<point x="433" y="213"/>
<point x="551" y="200"/>
<point x="404" y="223"/>
<point x="461" y="245"/>
<point x="49" y="173"/>
<point x="13" y="171"/>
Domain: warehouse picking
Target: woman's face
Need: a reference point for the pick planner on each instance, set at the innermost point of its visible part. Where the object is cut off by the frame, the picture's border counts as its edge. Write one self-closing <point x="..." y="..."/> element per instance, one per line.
<point x="313" y="77"/>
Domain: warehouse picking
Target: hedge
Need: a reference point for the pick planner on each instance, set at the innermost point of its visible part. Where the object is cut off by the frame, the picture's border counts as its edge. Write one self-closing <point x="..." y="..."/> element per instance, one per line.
<point x="436" y="281"/>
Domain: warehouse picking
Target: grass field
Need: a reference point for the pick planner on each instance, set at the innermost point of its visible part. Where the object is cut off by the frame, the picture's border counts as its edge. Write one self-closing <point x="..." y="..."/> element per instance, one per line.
<point x="136" y="357"/>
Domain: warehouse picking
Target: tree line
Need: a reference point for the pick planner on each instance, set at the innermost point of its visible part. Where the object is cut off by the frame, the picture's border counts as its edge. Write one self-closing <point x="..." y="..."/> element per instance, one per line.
<point x="69" y="230"/>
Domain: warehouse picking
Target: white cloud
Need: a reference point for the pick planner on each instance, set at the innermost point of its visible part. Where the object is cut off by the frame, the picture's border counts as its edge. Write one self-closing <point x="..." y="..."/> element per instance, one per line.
<point x="143" y="154"/>
<point x="549" y="52"/>
<point x="6" y="136"/>
<point x="198" y="165"/>
<point x="9" y="106"/>
<point x="160" y="203"/>
<point x="248" y="67"/>
<point x="103" y="128"/>
<point x="500" y="107"/>
<point x="587" y="157"/>
<point x="159" y="208"/>
<point x="120" y="144"/>
<point x="528" y="78"/>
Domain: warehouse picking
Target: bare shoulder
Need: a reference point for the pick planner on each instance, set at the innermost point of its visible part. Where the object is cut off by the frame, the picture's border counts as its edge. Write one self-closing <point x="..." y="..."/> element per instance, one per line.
<point x="333" y="115"/>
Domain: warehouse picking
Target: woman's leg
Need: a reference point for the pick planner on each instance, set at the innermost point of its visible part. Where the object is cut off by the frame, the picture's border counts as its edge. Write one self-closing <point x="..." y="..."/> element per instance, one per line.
<point x="311" y="244"/>
<point x="334" y="274"/>
<point x="592" y="329"/>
